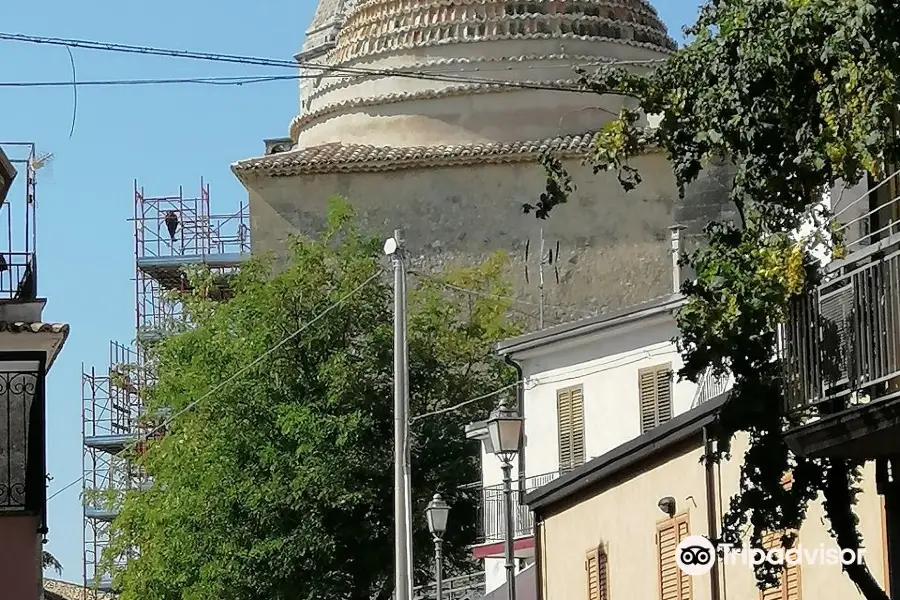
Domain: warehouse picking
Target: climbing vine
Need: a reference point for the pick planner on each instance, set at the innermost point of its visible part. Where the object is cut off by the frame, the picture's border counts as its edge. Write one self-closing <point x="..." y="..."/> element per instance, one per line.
<point x="795" y="95"/>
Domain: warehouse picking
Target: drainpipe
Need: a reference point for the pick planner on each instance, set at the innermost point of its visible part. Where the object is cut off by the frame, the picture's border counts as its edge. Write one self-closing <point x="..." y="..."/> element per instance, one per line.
<point x="675" y="235"/>
<point x="520" y="408"/>
<point x="711" y="513"/>
<point x="539" y="556"/>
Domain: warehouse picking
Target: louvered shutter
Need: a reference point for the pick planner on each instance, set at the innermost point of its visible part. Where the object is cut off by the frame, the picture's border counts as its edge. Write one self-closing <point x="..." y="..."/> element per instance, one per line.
<point x="655" y="388"/>
<point x="647" y="385"/>
<point x="564" y="426"/>
<point x="673" y="583"/>
<point x="597" y="575"/>
<point x="788" y="587"/>
<point x="570" y="425"/>
<point x="663" y="395"/>
<point x="576" y="398"/>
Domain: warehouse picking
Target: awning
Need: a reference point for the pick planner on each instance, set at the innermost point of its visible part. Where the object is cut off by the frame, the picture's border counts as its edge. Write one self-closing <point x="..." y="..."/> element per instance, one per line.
<point x="526" y="586"/>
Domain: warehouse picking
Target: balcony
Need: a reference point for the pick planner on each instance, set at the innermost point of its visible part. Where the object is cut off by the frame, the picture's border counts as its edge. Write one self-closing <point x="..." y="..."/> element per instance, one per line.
<point x="491" y="521"/>
<point x="841" y="348"/>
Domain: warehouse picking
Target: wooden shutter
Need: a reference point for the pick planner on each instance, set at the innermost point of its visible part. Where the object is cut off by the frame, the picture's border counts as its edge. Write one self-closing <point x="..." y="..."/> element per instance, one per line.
<point x="597" y="567"/>
<point x="570" y="425"/>
<point x="788" y="587"/>
<point x="655" y="388"/>
<point x="674" y="584"/>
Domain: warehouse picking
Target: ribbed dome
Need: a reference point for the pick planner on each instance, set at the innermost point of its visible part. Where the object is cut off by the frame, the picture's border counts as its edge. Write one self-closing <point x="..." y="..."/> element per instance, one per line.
<point x="377" y="26"/>
<point x="474" y="71"/>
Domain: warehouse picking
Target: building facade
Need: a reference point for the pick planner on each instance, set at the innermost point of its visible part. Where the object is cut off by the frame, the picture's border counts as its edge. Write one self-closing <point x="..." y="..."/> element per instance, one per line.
<point x="589" y="386"/>
<point x="28" y="348"/>
<point x="588" y="547"/>
<point x="432" y="117"/>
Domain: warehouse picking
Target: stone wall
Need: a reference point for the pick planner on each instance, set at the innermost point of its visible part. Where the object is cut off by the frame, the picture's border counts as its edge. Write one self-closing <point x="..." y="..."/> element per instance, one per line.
<point x="614" y="246"/>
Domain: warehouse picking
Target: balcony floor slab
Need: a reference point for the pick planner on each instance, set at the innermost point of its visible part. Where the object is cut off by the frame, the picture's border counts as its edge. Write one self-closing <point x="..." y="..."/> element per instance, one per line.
<point x="865" y="432"/>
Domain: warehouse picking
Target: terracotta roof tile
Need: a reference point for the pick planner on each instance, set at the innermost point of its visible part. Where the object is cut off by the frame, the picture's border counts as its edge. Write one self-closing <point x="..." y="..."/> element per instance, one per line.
<point x="62" y="328"/>
<point x="339" y="158"/>
<point x="63" y="590"/>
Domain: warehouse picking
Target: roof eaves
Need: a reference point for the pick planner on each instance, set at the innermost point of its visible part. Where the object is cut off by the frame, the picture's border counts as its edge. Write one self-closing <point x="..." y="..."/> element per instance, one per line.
<point x="573" y="329"/>
<point x="627" y="455"/>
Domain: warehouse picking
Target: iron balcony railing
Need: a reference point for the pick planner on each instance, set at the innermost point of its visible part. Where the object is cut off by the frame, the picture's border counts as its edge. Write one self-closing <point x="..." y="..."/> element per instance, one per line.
<point x="491" y="521"/>
<point x="18" y="276"/>
<point x="710" y="386"/>
<point x="23" y="484"/>
<point x="463" y="587"/>
<point x="841" y="343"/>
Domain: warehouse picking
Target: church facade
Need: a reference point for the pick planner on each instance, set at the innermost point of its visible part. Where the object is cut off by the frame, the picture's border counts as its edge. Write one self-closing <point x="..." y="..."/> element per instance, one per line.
<point x="431" y="116"/>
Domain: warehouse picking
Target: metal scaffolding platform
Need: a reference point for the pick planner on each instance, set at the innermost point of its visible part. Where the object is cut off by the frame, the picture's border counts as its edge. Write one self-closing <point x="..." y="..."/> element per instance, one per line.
<point x="115" y="423"/>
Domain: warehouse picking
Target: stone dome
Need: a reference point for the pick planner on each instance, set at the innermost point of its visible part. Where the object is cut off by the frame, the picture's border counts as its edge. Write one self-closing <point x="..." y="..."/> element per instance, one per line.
<point x="430" y="72"/>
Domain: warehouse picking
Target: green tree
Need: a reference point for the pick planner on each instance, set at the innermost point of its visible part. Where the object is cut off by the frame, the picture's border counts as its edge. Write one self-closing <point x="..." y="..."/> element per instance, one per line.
<point x="49" y="561"/>
<point x="796" y="94"/>
<point x="279" y="485"/>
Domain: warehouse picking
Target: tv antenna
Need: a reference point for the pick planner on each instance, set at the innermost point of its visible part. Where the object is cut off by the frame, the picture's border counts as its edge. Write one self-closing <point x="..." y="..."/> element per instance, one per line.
<point x="546" y="259"/>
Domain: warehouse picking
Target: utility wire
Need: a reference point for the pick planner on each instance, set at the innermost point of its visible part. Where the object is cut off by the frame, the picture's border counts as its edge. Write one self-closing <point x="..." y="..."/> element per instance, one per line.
<point x="237" y="374"/>
<point x="267" y="62"/>
<point x="123" y="82"/>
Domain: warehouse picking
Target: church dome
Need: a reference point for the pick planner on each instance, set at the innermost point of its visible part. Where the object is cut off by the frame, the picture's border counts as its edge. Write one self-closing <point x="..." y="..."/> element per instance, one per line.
<point x="431" y="72"/>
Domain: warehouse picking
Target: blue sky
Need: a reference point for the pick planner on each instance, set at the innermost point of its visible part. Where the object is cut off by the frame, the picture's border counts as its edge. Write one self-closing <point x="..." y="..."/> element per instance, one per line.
<point x="163" y="136"/>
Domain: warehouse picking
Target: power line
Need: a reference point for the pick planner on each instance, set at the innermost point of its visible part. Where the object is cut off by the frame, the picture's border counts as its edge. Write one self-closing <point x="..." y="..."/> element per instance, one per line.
<point x="124" y="82"/>
<point x="237" y="374"/>
<point x="268" y="62"/>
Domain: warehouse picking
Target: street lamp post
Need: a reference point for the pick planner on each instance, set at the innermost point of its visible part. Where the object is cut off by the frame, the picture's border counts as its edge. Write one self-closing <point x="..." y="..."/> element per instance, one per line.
<point x="505" y="429"/>
<point x="437" y="512"/>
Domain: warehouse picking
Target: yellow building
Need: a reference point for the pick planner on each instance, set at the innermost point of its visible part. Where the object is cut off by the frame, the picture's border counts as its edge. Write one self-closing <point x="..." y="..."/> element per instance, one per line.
<point x="609" y="529"/>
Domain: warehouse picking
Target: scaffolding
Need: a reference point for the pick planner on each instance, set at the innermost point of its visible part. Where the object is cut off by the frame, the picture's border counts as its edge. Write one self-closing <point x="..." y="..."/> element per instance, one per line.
<point x="217" y="242"/>
<point x="115" y="421"/>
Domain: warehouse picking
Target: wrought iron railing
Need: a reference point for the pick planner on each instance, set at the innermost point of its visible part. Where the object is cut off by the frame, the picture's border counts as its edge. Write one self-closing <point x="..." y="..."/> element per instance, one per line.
<point x="463" y="587"/>
<point x="18" y="275"/>
<point x="709" y="387"/>
<point x="22" y="452"/>
<point x="844" y="339"/>
<point x="491" y="514"/>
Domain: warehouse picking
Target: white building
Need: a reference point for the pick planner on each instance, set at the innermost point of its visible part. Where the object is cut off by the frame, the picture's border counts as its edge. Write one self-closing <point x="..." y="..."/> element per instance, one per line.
<point x="589" y="386"/>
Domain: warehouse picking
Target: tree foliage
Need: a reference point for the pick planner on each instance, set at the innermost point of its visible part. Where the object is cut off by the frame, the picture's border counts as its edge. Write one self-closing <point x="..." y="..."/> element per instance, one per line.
<point x="279" y="485"/>
<point x="797" y="94"/>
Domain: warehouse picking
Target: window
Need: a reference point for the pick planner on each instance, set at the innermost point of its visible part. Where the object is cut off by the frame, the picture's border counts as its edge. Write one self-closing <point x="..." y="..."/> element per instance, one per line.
<point x="597" y="569"/>
<point x="673" y="583"/>
<point x="655" y="388"/>
<point x="788" y="587"/>
<point x="570" y="427"/>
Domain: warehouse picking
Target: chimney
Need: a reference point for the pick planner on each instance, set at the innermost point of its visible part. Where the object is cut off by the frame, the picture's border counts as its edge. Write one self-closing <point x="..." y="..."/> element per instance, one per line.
<point x="675" y="236"/>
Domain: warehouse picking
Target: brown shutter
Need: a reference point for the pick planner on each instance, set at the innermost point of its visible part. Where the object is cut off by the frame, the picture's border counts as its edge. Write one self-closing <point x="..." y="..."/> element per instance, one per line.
<point x="577" y="399"/>
<point x="673" y="583"/>
<point x="788" y="587"/>
<point x="570" y="425"/>
<point x="655" y="387"/>
<point x="663" y="395"/>
<point x="597" y="575"/>
<point x="564" y="426"/>
<point x="647" y="385"/>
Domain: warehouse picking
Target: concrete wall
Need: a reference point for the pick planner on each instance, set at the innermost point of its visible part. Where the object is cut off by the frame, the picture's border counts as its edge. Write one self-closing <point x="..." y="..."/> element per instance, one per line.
<point x="614" y="246"/>
<point x="629" y="535"/>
